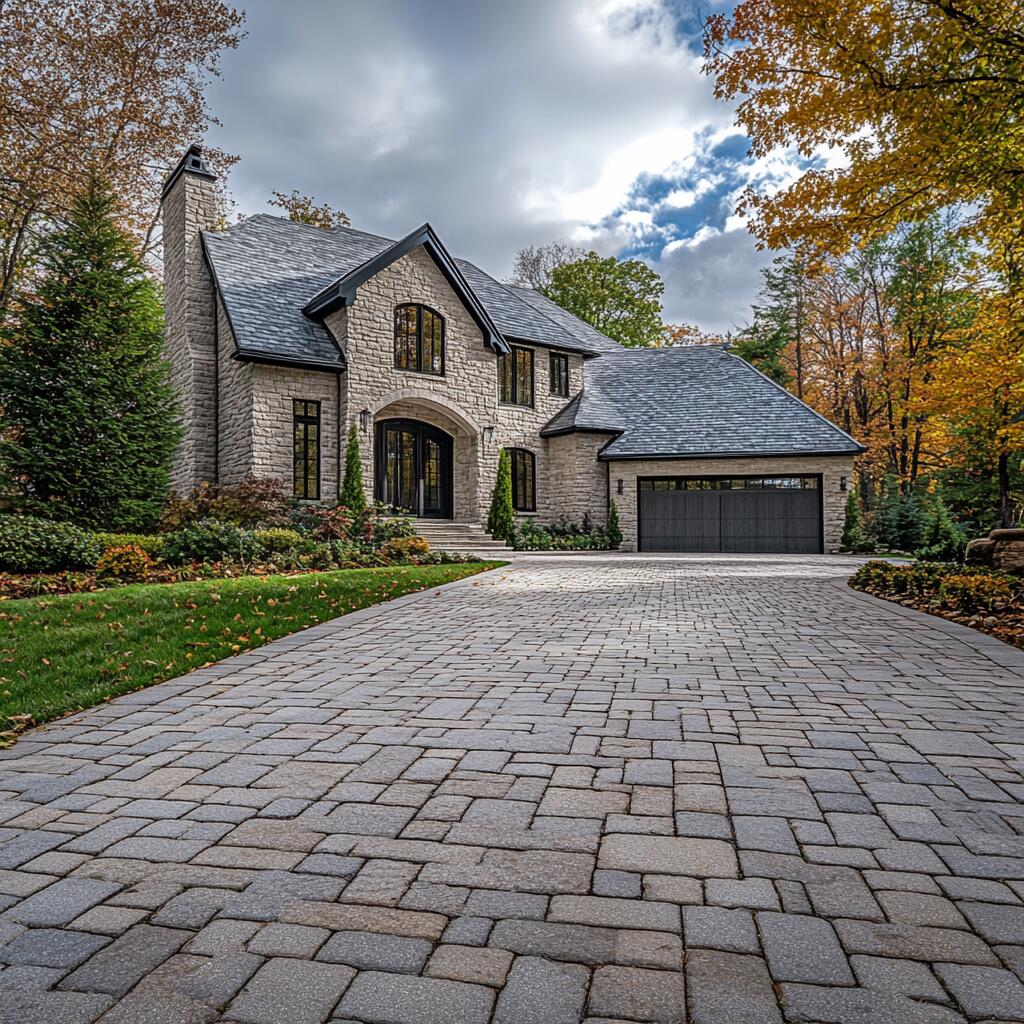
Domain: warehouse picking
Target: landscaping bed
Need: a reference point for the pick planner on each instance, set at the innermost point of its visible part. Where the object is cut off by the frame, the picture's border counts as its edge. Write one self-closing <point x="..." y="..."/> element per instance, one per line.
<point x="58" y="655"/>
<point x="975" y="596"/>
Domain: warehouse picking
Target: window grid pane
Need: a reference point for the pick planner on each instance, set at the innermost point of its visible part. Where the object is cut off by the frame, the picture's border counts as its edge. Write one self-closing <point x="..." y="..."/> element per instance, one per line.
<point x="305" y="450"/>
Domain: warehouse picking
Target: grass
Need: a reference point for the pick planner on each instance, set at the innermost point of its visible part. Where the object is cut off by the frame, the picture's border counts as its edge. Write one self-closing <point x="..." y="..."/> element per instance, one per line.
<point x="62" y="654"/>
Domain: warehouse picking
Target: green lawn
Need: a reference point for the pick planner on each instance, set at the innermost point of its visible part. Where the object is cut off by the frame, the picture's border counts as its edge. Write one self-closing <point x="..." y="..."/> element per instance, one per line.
<point x="60" y="654"/>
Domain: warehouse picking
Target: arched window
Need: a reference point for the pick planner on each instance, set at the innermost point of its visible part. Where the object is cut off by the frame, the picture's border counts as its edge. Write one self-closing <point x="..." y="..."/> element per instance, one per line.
<point x="419" y="339"/>
<point x="524" y="480"/>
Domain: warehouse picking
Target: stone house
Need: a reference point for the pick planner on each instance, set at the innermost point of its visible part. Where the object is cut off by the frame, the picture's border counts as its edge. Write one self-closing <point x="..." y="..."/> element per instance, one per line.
<point x="282" y="335"/>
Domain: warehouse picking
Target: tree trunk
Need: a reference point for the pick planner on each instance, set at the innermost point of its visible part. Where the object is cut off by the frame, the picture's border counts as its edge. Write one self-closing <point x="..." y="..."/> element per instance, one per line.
<point x="1004" y="490"/>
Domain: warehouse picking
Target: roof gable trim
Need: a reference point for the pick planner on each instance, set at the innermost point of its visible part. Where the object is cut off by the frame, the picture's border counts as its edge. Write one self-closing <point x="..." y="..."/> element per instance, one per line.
<point x="343" y="291"/>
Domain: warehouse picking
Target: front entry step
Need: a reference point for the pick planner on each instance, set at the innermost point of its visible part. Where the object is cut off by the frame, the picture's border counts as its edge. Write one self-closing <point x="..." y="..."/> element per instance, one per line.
<point x="451" y="536"/>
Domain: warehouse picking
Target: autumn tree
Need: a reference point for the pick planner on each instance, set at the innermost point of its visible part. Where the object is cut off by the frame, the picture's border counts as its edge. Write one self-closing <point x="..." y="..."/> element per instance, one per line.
<point x="90" y="418"/>
<point x="923" y="99"/>
<point x="689" y="334"/>
<point x="305" y="210"/>
<point x="534" y="265"/>
<point x="117" y="84"/>
<point x="620" y="298"/>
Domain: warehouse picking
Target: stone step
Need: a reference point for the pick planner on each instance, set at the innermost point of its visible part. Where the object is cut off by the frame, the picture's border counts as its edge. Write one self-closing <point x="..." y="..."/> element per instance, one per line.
<point x="449" y="535"/>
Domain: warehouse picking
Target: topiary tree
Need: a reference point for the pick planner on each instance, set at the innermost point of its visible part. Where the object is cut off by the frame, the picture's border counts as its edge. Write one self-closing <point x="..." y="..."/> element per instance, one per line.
<point x="90" y="418"/>
<point x="501" y="519"/>
<point x="352" y="494"/>
<point x="613" y="532"/>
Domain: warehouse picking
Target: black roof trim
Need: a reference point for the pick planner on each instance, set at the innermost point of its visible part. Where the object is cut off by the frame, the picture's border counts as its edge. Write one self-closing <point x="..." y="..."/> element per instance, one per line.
<point x="299" y="364"/>
<point x="343" y="291"/>
<point x="691" y="456"/>
<point x="192" y="162"/>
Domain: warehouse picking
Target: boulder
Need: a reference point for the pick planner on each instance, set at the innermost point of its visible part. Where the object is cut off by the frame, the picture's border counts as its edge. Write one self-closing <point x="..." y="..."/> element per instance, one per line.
<point x="1008" y="555"/>
<point x="979" y="551"/>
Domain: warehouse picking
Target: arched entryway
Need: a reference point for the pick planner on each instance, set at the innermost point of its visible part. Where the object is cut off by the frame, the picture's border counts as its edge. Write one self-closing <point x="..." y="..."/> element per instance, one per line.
<point x="413" y="473"/>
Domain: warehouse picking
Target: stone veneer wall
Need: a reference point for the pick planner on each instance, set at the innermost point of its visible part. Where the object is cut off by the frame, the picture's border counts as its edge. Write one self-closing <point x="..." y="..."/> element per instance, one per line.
<point x="465" y="398"/>
<point x="577" y="483"/>
<point x="190" y="207"/>
<point x="831" y="467"/>
<point x="273" y="389"/>
<point x="234" y="420"/>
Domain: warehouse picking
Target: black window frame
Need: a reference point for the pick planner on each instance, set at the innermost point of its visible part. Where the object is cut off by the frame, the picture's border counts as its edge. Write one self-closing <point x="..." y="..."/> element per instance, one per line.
<point x="420" y="308"/>
<point x="302" y="420"/>
<point x="513" y="389"/>
<point x="529" y="503"/>
<point x="558" y="374"/>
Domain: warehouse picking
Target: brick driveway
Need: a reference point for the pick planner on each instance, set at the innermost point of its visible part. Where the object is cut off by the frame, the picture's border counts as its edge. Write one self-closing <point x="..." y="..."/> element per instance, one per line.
<point x="726" y="791"/>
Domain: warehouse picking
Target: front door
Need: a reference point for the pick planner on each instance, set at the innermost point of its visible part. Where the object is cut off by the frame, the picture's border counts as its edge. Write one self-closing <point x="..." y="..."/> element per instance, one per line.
<point x="414" y="468"/>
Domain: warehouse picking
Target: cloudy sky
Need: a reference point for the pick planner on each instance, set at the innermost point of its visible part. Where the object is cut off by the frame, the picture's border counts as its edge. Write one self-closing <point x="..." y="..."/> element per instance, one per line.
<point x="504" y="124"/>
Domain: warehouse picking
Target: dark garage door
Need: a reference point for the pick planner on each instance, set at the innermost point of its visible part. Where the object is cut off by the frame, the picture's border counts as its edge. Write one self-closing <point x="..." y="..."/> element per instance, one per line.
<point x="771" y="514"/>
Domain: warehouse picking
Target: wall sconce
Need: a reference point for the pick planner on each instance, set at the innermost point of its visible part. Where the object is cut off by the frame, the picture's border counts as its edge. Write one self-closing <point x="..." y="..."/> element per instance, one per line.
<point x="365" y="417"/>
<point x="488" y="433"/>
<point x="618" y="486"/>
<point x="842" y="483"/>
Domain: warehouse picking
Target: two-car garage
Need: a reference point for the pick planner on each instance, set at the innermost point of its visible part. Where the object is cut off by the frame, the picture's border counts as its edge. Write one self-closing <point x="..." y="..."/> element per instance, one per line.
<point x="778" y="514"/>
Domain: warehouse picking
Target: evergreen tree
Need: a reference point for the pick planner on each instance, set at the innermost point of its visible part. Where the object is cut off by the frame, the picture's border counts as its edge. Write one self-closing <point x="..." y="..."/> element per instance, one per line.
<point x="90" y="422"/>
<point x="899" y="522"/>
<point x="943" y="540"/>
<point x="613" y="531"/>
<point x="501" y="519"/>
<point x="854" y="537"/>
<point x="352" y="494"/>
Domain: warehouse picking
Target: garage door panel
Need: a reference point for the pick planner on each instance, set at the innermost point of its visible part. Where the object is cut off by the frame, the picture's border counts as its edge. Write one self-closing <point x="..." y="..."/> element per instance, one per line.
<point x="749" y="519"/>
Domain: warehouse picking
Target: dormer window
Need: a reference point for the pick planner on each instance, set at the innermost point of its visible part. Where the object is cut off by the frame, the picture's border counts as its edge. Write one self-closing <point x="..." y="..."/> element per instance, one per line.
<point x="419" y="339"/>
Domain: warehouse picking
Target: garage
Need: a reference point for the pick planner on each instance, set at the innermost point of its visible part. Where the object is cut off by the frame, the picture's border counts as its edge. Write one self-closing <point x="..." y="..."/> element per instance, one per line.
<point x="774" y="514"/>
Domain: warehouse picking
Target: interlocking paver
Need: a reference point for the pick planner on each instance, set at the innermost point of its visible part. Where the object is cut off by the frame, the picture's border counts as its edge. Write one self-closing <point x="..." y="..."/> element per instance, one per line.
<point x="604" y="789"/>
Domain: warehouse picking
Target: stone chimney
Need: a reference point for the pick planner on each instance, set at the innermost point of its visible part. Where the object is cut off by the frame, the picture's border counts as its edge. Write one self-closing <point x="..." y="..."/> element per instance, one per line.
<point x="189" y="205"/>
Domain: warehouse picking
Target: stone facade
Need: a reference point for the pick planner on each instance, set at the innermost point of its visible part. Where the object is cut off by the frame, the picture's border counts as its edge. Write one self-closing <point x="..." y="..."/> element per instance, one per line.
<point x="190" y="207"/>
<point x="238" y="414"/>
<point x="832" y="469"/>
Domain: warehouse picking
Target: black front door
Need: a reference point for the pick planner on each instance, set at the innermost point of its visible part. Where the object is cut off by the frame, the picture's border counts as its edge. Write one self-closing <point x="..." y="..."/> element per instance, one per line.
<point x="414" y="468"/>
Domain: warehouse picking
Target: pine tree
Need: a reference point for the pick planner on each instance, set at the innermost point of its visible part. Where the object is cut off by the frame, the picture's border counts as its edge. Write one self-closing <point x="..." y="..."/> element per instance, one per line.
<point x="854" y="538"/>
<point x="90" y="418"/>
<point x="501" y="519"/>
<point x="943" y="540"/>
<point x="352" y="494"/>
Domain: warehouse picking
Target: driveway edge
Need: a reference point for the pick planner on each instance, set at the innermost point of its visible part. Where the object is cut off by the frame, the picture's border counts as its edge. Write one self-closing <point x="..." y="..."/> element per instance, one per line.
<point x="1002" y="654"/>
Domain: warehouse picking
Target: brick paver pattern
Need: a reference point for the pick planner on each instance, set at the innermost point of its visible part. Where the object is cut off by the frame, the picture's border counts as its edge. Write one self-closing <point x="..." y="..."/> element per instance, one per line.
<point x="612" y="789"/>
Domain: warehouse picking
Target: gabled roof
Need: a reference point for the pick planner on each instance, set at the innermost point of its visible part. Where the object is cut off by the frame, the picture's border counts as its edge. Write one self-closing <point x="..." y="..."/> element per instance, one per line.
<point x="267" y="269"/>
<point x="342" y="292"/>
<point x="692" y="401"/>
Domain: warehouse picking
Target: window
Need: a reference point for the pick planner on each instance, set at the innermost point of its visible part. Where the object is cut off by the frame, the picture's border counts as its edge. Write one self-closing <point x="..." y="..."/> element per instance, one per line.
<point x="306" y="450"/>
<point x="774" y="483"/>
<point x="559" y="366"/>
<point x="515" y="377"/>
<point x="524" y="480"/>
<point x="419" y="340"/>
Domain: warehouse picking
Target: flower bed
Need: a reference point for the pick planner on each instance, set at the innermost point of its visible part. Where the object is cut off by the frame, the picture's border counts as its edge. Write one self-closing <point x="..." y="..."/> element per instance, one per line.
<point x="976" y="596"/>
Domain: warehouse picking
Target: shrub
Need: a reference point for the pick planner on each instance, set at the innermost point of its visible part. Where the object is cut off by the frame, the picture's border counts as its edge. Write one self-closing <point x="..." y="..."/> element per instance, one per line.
<point x="352" y="494"/>
<point x="944" y="541"/>
<point x="976" y="593"/>
<point x="211" y="541"/>
<point x="404" y="549"/>
<point x="854" y="537"/>
<point x="30" y="544"/>
<point x="332" y="523"/>
<point x="613" y="532"/>
<point x="127" y="562"/>
<point x="253" y="502"/>
<point x="501" y="519"/>
<point x="278" y="539"/>
<point x="151" y="543"/>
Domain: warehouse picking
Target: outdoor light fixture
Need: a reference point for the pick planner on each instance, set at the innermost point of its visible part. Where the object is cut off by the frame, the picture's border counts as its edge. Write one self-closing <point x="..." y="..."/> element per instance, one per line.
<point x="488" y="435"/>
<point x="364" y="420"/>
<point x="842" y="483"/>
<point x="618" y="486"/>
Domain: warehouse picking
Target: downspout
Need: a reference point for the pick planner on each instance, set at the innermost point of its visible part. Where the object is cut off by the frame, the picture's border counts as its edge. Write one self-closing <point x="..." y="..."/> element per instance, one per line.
<point x="337" y="454"/>
<point x="216" y="389"/>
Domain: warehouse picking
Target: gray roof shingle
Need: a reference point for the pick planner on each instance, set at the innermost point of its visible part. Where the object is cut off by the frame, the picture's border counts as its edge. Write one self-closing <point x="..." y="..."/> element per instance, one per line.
<point x="691" y="401"/>
<point x="267" y="268"/>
